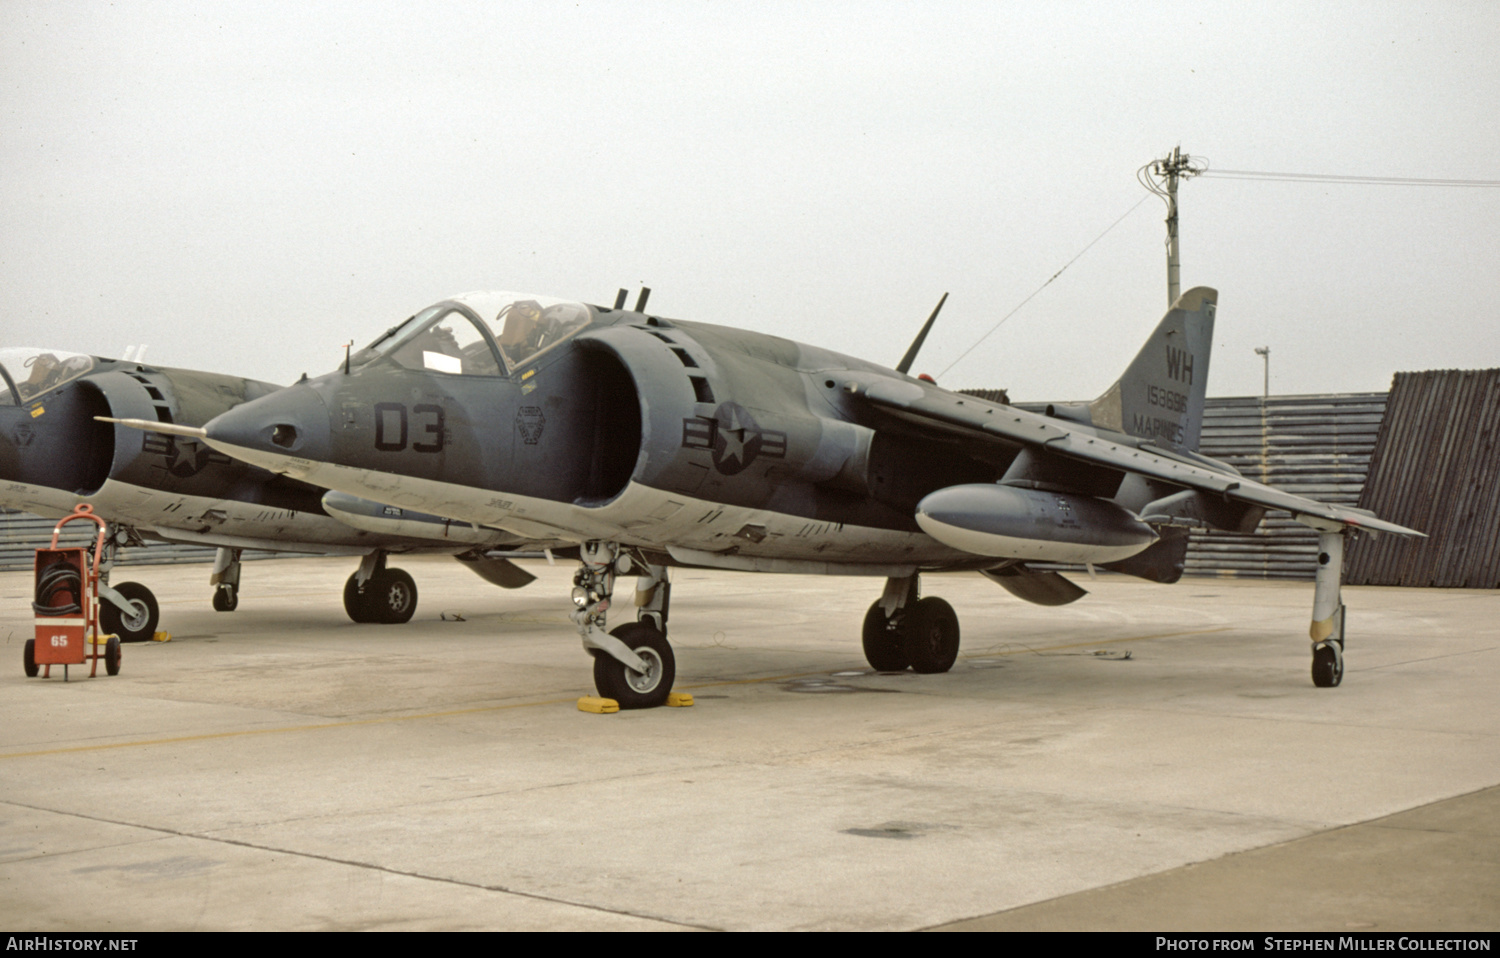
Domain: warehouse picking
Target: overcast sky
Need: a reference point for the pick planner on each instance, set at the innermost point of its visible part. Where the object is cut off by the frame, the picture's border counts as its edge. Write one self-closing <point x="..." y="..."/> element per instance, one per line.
<point x="247" y="186"/>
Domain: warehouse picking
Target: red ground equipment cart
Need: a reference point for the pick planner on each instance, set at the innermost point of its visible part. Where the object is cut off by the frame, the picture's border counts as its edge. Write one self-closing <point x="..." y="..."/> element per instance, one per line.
<point x="67" y="606"/>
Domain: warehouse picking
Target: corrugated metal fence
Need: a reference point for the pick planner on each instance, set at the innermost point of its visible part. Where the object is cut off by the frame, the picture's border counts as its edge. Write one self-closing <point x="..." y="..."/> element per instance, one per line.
<point x="1316" y="446"/>
<point x="1436" y="468"/>
<point x="22" y="533"/>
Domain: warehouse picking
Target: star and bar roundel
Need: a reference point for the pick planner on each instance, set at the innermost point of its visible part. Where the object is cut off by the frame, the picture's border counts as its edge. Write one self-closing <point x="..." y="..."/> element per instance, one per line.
<point x="733" y="437"/>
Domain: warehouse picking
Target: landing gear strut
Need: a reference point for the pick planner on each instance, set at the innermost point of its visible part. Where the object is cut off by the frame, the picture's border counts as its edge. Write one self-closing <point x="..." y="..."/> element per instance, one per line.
<point x="375" y="593"/>
<point x="226" y="579"/>
<point x="633" y="664"/>
<point x="1327" y="629"/>
<point x="902" y="630"/>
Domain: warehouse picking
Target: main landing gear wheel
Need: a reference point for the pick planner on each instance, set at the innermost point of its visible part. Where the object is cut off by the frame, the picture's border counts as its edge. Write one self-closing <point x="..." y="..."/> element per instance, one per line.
<point x="355" y="601"/>
<point x="112" y="655"/>
<point x="884" y="649"/>
<point x="136" y="626"/>
<point x="226" y="598"/>
<point x="1327" y="667"/>
<point x="930" y="635"/>
<point x="390" y="596"/>
<point x="631" y="689"/>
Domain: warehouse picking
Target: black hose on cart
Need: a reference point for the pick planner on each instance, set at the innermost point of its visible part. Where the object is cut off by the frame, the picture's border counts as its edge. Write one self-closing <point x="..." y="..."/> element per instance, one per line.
<point x="59" y="577"/>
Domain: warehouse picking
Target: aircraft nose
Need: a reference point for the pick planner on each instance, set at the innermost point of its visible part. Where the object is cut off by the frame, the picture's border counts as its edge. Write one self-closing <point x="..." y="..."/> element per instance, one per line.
<point x="290" y="423"/>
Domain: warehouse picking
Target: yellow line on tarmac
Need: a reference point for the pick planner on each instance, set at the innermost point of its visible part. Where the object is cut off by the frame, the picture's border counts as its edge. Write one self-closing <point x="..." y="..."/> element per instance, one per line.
<point x="210" y="736"/>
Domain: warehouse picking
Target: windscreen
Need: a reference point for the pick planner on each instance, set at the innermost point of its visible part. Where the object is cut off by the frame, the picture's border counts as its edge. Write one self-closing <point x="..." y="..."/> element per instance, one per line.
<point x="35" y="371"/>
<point x="479" y="334"/>
<point x="443" y="338"/>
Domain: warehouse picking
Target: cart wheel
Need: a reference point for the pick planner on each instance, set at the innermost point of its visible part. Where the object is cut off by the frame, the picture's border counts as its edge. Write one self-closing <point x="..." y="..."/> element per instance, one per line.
<point x="112" y="655"/>
<point x="28" y="658"/>
<point x="136" y="627"/>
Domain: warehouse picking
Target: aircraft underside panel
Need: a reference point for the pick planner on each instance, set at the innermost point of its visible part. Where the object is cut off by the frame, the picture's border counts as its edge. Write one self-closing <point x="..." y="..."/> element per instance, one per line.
<point x="218" y="522"/>
<point x="640" y="516"/>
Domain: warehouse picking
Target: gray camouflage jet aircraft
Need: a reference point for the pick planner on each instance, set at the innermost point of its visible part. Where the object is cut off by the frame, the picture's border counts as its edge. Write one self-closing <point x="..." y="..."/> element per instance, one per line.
<point x="151" y="485"/>
<point x="648" y="443"/>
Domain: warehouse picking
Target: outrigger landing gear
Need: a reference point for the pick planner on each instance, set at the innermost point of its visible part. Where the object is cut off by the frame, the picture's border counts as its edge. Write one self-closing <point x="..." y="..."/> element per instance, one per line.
<point x="1327" y="629"/>
<point x="633" y="664"/>
<point x="377" y="594"/>
<point x="902" y="630"/>
<point x="226" y="579"/>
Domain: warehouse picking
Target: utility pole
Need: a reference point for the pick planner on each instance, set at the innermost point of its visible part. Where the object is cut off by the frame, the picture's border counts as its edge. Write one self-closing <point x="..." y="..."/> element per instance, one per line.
<point x="1178" y="166"/>
<point x="1264" y="352"/>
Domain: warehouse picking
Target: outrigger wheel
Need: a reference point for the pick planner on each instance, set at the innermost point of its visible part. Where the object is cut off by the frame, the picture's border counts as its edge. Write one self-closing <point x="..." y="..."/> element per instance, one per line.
<point x="1327" y="664"/>
<point x="226" y="598"/>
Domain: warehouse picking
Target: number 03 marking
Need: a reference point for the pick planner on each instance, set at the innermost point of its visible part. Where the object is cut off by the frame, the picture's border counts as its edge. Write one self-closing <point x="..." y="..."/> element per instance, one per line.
<point x="392" y="430"/>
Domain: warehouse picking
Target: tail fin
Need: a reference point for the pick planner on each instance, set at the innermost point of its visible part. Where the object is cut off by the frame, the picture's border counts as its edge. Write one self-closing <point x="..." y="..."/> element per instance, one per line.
<point x="1161" y="396"/>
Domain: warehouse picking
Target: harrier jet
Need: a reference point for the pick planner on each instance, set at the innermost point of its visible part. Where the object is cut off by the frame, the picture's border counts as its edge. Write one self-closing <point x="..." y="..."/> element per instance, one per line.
<point x="152" y="485"/>
<point x="651" y="443"/>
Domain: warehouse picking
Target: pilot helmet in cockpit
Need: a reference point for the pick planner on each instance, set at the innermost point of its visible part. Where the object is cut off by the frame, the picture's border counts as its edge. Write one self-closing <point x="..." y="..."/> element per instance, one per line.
<point x="521" y="333"/>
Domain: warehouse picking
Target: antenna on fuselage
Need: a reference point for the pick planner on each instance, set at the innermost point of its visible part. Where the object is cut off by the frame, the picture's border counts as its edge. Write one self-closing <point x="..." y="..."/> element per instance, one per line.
<point x="640" y="301"/>
<point x="911" y="354"/>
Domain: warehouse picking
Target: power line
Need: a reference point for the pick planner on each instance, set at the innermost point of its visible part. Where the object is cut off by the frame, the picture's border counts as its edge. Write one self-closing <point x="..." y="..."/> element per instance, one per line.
<point x="1332" y="178"/>
<point x="1042" y="287"/>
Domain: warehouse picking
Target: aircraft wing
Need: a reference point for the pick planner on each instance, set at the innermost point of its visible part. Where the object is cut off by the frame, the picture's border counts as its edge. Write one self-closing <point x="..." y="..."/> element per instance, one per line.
<point x="977" y="419"/>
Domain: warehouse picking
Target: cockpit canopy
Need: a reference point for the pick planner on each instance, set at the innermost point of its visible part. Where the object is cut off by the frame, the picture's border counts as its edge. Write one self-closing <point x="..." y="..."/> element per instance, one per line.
<point x="479" y="334"/>
<point x="29" y="372"/>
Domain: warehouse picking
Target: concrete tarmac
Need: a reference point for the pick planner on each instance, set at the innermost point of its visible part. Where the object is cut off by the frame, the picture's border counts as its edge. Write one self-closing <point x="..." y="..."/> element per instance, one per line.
<point x="1150" y="757"/>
